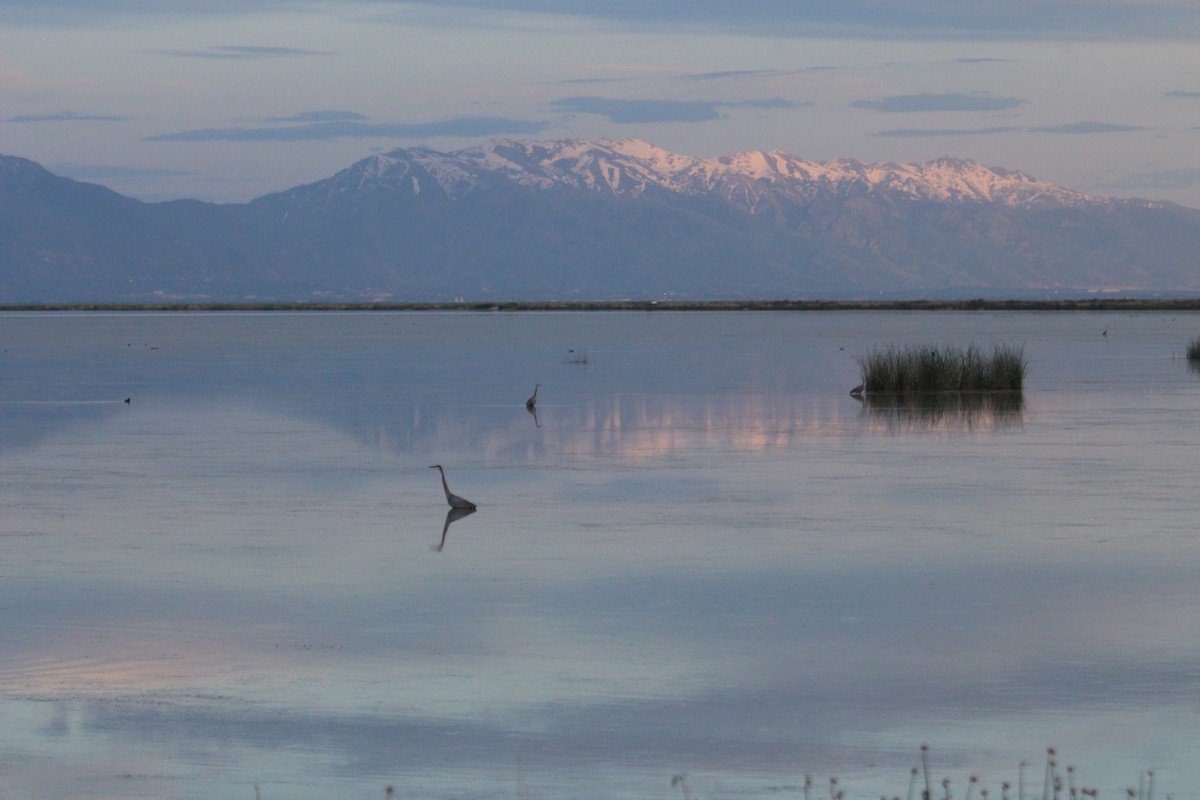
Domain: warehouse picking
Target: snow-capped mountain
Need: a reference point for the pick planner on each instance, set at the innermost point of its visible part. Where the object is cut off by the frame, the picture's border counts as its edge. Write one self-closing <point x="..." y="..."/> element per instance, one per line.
<point x="631" y="168"/>
<point x="595" y="219"/>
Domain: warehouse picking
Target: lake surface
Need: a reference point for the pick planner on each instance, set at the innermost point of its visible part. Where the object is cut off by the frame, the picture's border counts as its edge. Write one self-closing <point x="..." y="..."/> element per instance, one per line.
<point x="703" y="570"/>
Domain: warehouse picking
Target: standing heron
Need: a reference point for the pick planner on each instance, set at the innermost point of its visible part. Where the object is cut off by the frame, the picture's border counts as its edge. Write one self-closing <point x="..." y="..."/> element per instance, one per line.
<point x="454" y="500"/>
<point x="531" y="403"/>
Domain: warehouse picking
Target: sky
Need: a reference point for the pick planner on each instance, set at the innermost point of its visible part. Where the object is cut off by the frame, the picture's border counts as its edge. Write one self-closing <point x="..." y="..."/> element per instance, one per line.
<point x="227" y="101"/>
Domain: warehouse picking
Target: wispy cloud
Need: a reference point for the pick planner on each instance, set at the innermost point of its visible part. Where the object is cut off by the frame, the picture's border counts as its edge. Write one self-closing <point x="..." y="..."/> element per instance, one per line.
<point x="81" y="14"/>
<point x="642" y="111"/>
<point x="954" y="101"/>
<point x="917" y="133"/>
<point x="67" y="116"/>
<point x="466" y="127"/>
<point x="742" y="74"/>
<point x="883" y="19"/>
<point x="1190" y="95"/>
<point x="243" y="53"/>
<point x="1086" y="127"/>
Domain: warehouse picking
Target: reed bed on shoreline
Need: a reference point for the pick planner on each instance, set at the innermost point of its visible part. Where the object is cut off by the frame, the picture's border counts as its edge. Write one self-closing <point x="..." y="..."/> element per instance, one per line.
<point x="929" y="368"/>
<point x="1049" y="782"/>
<point x="1193" y="350"/>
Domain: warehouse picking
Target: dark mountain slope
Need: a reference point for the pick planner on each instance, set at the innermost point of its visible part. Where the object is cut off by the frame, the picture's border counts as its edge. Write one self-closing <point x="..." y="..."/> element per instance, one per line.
<point x="587" y="220"/>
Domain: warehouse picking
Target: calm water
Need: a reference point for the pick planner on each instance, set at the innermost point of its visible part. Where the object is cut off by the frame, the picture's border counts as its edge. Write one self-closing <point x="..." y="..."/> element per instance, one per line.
<point x="702" y="558"/>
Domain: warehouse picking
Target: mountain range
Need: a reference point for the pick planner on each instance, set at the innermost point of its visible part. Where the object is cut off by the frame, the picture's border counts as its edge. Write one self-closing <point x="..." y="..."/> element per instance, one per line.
<point x="594" y="220"/>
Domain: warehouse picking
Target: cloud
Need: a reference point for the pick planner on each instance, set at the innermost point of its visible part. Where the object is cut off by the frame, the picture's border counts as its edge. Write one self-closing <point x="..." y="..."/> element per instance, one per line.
<point x="1191" y="95"/>
<point x="769" y="102"/>
<point x="242" y="53"/>
<point x="740" y="74"/>
<point x="572" y="81"/>
<point x="1087" y="127"/>
<point x="82" y="14"/>
<point x="733" y="73"/>
<point x="916" y="133"/>
<point x="1021" y="19"/>
<point x="328" y="130"/>
<point x="642" y="111"/>
<point x="954" y="101"/>
<point x="67" y="116"/>
<point x="882" y="19"/>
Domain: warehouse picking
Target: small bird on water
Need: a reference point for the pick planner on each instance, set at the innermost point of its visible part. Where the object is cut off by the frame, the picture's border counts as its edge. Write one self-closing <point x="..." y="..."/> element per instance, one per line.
<point x="454" y="500"/>
<point x="531" y="403"/>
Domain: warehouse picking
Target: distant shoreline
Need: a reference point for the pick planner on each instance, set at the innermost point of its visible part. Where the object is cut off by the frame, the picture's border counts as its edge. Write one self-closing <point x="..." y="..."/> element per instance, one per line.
<point x="1090" y="304"/>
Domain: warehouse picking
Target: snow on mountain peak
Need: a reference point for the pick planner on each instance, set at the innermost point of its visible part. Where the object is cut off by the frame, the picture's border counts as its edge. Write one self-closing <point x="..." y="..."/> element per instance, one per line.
<point x="632" y="167"/>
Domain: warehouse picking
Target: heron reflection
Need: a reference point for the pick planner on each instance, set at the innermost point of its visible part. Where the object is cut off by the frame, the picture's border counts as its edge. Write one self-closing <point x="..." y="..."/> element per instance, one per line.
<point x="453" y="515"/>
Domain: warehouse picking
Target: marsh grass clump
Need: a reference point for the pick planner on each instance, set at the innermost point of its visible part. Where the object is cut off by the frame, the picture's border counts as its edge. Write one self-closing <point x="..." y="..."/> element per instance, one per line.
<point x="1193" y="350"/>
<point x="927" y="368"/>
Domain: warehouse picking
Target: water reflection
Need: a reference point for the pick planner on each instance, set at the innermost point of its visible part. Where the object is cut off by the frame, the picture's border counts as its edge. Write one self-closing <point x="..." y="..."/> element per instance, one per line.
<point x="943" y="411"/>
<point x="453" y="515"/>
<point x="748" y="578"/>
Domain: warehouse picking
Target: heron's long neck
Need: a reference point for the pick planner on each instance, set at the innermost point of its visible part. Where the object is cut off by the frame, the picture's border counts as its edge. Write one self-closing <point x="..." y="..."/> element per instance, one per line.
<point x="445" y="486"/>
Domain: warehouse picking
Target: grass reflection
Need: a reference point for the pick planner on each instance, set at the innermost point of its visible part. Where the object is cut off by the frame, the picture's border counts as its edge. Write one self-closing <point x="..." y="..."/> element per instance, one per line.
<point x="948" y="411"/>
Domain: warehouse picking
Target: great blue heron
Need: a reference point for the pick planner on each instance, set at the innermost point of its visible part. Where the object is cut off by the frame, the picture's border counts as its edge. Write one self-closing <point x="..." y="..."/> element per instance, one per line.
<point x="454" y="500"/>
<point x="531" y="403"/>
